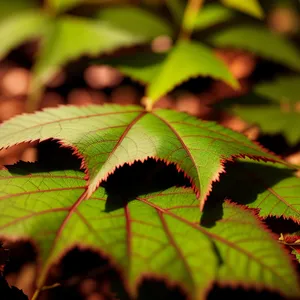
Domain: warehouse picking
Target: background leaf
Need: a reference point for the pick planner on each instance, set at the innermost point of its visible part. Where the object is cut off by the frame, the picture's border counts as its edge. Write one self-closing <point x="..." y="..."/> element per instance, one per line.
<point x="63" y="45"/>
<point x="251" y="7"/>
<point x="274" y="106"/>
<point x="156" y="234"/>
<point x="61" y="5"/>
<point x="271" y="188"/>
<point x="260" y="41"/>
<point x="213" y="14"/>
<point x="109" y="136"/>
<point x="21" y="27"/>
<point x="10" y="8"/>
<point x="176" y="8"/>
<point x="136" y="21"/>
<point x="164" y="72"/>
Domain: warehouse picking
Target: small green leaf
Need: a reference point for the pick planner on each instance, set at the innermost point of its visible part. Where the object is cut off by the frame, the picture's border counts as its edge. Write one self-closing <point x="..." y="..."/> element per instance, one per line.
<point x="63" y="44"/>
<point x="260" y="41"/>
<point x="61" y="5"/>
<point x="10" y="8"/>
<point x="282" y="89"/>
<point x="187" y="60"/>
<point x="274" y="106"/>
<point x="157" y="234"/>
<point x="176" y="7"/>
<point x="142" y="67"/>
<point x="20" y="28"/>
<point x="163" y="72"/>
<point x="211" y="15"/>
<point x="251" y="7"/>
<point x="109" y="136"/>
<point x="135" y="21"/>
<point x="271" y="188"/>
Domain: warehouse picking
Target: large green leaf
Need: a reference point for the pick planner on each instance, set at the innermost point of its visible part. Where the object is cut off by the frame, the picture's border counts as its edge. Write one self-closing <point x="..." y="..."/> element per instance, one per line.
<point x="21" y="27"/>
<point x="135" y="20"/>
<point x="271" y="188"/>
<point x="157" y="234"/>
<point x="109" y="136"/>
<point x="274" y="106"/>
<point x="261" y="41"/>
<point x="251" y="7"/>
<point x="163" y="72"/>
<point x="213" y="14"/>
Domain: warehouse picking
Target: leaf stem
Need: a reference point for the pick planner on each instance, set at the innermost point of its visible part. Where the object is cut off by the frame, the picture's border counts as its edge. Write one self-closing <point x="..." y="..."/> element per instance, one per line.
<point x="191" y="11"/>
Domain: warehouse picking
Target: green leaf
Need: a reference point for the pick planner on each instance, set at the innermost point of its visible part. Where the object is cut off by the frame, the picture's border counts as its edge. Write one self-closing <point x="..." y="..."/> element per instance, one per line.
<point x="63" y="44"/>
<point x="251" y="7"/>
<point x="271" y="188"/>
<point x="20" y="28"/>
<point x="272" y="120"/>
<point x="211" y="15"/>
<point x="157" y="234"/>
<point x="109" y="136"/>
<point x="274" y="106"/>
<point x="9" y="8"/>
<point x="142" y="67"/>
<point x="283" y="89"/>
<point x="176" y="7"/>
<point x="61" y="5"/>
<point x="190" y="59"/>
<point x="260" y="41"/>
<point x="135" y="21"/>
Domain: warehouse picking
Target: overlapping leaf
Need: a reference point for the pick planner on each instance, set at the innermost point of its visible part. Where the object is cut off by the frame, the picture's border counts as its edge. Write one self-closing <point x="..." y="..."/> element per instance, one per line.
<point x="271" y="188"/>
<point x="274" y="106"/>
<point x="261" y="41"/>
<point x="109" y="136"/>
<point x="162" y="72"/>
<point x="156" y="234"/>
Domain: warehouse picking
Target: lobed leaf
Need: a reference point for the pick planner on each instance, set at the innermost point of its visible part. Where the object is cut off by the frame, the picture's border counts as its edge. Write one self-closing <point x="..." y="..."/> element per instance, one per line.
<point x="109" y="136"/>
<point x="251" y="7"/>
<point x="157" y="234"/>
<point x="136" y="21"/>
<point x="260" y="41"/>
<point x="273" y="189"/>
